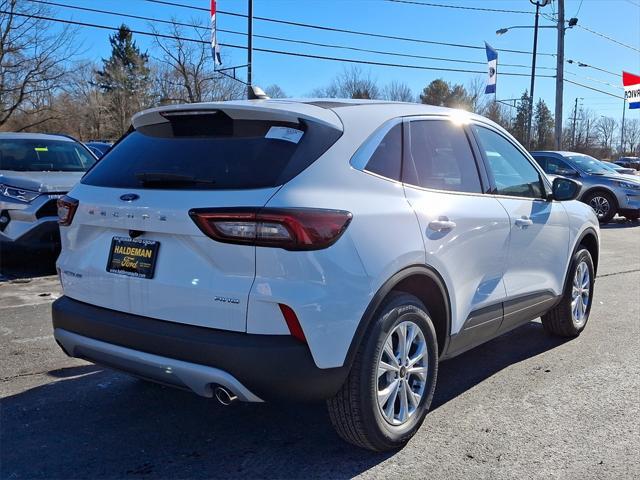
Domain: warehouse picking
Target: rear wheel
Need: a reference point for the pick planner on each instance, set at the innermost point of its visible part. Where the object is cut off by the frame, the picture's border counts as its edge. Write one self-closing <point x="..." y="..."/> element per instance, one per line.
<point x="603" y="204"/>
<point x="390" y="387"/>
<point x="570" y="316"/>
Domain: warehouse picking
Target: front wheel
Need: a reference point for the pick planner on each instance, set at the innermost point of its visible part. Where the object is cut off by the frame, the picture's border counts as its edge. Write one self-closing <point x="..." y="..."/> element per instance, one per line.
<point x="570" y="316"/>
<point x="603" y="204"/>
<point x="390" y="387"/>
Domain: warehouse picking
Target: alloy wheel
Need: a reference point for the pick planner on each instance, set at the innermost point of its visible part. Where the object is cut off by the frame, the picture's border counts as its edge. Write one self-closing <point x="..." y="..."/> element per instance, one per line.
<point x="402" y="373"/>
<point x="580" y="294"/>
<point x="600" y="205"/>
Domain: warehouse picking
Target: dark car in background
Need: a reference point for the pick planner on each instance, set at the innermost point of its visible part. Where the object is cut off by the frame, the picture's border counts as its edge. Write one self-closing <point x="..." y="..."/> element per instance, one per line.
<point x="98" y="148"/>
<point x="36" y="170"/>
<point x="629" y="162"/>
<point x="606" y="192"/>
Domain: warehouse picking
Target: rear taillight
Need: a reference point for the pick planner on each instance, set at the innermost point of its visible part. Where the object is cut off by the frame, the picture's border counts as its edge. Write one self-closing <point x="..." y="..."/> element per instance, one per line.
<point x="291" y="229"/>
<point x="67" y="207"/>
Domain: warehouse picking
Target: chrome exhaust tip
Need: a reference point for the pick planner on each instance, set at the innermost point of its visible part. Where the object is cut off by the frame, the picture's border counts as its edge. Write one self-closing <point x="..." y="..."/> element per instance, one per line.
<point x="224" y="396"/>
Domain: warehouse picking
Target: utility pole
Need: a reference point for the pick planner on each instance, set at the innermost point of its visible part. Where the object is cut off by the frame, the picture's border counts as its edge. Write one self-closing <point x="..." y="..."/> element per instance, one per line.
<point x="624" y="109"/>
<point x="559" y="76"/>
<point x="573" y="129"/>
<point x="249" y="48"/>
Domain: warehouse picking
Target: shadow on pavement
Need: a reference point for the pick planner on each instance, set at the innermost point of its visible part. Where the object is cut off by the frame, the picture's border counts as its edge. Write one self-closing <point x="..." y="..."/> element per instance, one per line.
<point x="620" y="223"/>
<point x="18" y="263"/>
<point x="98" y="423"/>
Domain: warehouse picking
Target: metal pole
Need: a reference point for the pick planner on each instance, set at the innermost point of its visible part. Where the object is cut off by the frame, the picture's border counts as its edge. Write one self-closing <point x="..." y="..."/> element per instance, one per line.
<point x="624" y="109"/>
<point x="573" y="131"/>
<point x="533" y="73"/>
<point x="249" y="47"/>
<point x="559" y="76"/>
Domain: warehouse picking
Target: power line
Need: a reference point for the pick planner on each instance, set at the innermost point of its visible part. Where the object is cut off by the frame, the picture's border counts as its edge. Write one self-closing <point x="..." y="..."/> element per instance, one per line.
<point x="594" y="89"/>
<point x="460" y="7"/>
<point x="280" y="39"/>
<point x="343" y="30"/>
<point x="267" y="50"/>
<point x="594" y="80"/>
<point x="609" y="38"/>
<point x="582" y="64"/>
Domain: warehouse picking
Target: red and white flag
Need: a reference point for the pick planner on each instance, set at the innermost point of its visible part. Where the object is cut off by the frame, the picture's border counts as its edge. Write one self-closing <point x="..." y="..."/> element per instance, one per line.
<point x="215" y="47"/>
<point x="631" y="84"/>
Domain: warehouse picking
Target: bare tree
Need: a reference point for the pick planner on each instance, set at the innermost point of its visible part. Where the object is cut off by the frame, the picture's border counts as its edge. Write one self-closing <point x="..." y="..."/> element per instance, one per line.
<point x="605" y="129"/>
<point x="632" y="135"/>
<point x="398" y="92"/>
<point x="351" y="83"/>
<point x="32" y="62"/>
<point x="476" y="97"/>
<point x="187" y="71"/>
<point x="274" y="91"/>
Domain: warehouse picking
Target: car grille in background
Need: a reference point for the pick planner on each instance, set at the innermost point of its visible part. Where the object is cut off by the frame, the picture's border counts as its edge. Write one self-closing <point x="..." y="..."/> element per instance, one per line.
<point x="49" y="209"/>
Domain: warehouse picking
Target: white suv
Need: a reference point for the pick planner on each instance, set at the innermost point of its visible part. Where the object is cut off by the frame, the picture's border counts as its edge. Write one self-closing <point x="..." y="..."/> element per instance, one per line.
<point x="306" y="250"/>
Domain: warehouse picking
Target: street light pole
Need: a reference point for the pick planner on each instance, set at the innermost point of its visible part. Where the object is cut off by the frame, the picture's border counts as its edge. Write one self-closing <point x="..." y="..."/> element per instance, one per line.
<point x="538" y="4"/>
<point x="559" y="76"/>
<point x="249" y="48"/>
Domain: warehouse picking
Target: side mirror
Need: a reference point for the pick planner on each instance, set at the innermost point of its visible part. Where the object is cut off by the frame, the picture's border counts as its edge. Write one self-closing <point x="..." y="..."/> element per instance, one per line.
<point x="565" y="189"/>
<point x="565" y="172"/>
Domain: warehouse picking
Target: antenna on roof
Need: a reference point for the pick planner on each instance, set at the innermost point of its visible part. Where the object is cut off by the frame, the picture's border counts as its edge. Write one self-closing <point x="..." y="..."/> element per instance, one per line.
<point x="256" y="93"/>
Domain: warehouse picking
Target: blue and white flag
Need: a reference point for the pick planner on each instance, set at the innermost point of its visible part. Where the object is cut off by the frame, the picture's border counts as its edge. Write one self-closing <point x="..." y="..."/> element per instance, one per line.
<point x="492" y="62"/>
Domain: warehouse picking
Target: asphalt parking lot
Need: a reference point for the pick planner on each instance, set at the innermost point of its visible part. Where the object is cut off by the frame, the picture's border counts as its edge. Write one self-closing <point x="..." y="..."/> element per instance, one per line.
<point x="522" y="406"/>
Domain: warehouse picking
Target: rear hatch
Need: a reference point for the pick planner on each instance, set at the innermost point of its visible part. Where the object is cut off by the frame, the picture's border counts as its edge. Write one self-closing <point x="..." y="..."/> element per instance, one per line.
<point x="132" y="245"/>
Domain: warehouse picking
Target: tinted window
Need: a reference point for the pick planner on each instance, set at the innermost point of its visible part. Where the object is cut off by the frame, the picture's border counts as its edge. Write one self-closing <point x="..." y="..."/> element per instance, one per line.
<point x="442" y="157"/>
<point x="28" y="155"/>
<point x="386" y="158"/>
<point x="512" y="171"/>
<point x="555" y="166"/>
<point x="212" y="151"/>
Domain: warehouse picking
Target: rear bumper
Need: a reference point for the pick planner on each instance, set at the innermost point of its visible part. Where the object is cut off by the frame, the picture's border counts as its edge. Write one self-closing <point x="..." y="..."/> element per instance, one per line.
<point x="254" y="367"/>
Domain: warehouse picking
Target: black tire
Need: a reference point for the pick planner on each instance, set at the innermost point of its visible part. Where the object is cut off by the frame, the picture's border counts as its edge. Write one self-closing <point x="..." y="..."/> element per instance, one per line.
<point x="354" y="410"/>
<point x="596" y="198"/>
<point x="560" y="321"/>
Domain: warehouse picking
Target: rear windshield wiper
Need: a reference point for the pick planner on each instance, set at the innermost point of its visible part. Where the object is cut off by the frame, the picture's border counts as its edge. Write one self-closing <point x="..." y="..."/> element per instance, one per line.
<point x="171" y="178"/>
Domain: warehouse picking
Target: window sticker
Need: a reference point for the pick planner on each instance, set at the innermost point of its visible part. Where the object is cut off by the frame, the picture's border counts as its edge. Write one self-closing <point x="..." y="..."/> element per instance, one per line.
<point x="287" y="134"/>
<point x="41" y="149"/>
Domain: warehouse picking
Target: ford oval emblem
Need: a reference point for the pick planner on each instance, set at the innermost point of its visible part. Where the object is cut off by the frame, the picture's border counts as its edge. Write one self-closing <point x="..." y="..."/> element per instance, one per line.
<point x="129" y="197"/>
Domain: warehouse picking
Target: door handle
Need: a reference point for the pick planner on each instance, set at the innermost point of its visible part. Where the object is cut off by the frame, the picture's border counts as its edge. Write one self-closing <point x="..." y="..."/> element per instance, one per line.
<point x="442" y="224"/>
<point x="523" y="222"/>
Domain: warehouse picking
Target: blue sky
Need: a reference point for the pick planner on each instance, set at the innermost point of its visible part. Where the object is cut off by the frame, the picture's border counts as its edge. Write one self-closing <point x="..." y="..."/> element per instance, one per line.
<point x="619" y="19"/>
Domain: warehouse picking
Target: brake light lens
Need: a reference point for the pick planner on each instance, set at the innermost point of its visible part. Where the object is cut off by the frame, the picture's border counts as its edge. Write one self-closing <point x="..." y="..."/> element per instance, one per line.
<point x="290" y="229"/>
<point x="67" y="207"/>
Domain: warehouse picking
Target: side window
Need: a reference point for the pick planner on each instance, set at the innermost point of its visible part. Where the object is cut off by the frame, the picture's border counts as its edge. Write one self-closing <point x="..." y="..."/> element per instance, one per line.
<point x="442" y="157"/>
<point x="542" y="161"/>
<point x="513" y="172"/>
<point x="555" y="166"/>
<point x="386" y="158"/>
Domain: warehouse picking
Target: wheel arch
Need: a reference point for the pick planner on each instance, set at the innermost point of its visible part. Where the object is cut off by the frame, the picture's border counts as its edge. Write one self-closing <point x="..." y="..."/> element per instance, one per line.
<point x="427" y="285"/>
<point x="600" y="188"/>
<point x="589" y="239"/>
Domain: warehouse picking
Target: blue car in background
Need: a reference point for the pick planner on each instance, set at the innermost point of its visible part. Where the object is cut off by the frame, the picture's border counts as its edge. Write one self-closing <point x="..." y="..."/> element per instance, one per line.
<point x="605" y="191"/>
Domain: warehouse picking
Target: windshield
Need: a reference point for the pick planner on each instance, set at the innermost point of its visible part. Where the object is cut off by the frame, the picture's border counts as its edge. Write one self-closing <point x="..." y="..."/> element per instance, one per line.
<point x="30" y="155"/>
<point x="588" y="164"/>
<point x="608" y="167"/>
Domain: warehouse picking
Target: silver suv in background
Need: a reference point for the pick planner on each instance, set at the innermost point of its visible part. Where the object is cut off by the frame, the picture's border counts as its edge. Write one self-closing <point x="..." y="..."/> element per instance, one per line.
<point x="36" y="170"/>
<point x="606" y="192"/>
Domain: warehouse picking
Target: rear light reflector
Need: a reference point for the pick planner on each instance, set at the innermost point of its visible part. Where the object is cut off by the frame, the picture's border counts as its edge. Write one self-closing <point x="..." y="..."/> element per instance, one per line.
<point x="290" y="229"/>
<point x="67" y="207"/>
<point x="292" y="322"/>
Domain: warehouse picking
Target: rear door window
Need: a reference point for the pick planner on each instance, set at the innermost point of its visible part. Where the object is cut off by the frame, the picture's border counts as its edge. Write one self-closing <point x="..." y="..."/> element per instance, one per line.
<point x="442" y="157"/>
<point x="212" y="151"/>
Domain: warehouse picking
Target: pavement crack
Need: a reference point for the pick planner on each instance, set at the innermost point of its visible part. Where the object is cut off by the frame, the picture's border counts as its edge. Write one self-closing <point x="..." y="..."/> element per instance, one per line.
<point x="5" y="379"/>
<point x="618" y="273"/>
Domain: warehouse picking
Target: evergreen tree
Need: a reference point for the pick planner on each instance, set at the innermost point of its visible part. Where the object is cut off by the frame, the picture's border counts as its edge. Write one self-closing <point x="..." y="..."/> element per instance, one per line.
<point x="543" y="126"/>
<point x="519" y="129"/>
<point x="124" y="80"/>
<point x="444" y="94"/>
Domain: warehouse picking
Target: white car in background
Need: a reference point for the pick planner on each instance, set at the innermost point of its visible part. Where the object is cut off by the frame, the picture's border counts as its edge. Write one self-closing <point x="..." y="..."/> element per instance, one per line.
<point x="306" y="250"/>
<point x="35" y="170"/>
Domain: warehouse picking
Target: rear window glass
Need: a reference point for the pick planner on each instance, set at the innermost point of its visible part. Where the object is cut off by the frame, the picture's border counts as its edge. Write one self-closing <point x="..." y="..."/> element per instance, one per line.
<point x="212" y="151"/>
<point x="31" y="155"/>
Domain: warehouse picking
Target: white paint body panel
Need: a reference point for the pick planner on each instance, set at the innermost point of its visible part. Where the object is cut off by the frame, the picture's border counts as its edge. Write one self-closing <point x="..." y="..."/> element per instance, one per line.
<point x="481" y="261"/>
